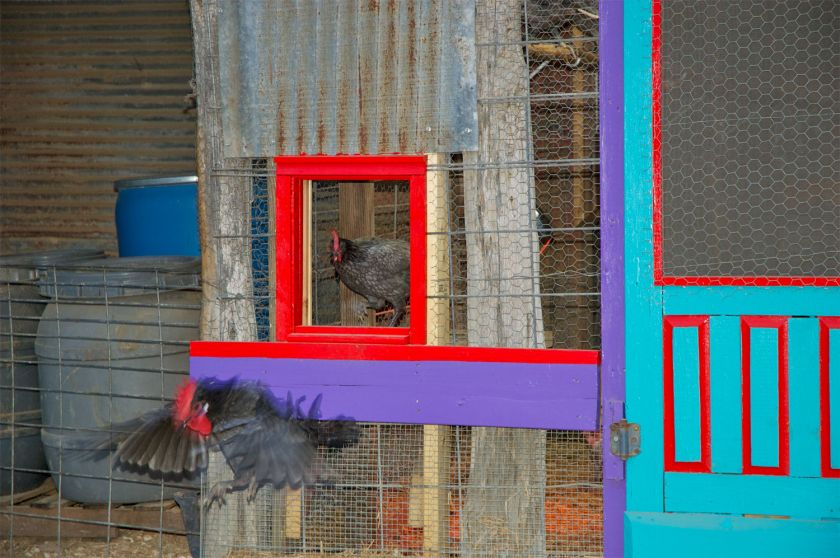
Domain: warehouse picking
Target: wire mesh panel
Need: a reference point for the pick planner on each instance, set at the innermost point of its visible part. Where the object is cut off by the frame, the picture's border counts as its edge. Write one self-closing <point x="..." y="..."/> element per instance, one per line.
<point x="749" y="138"/>
<point x="370" y="501"/>
<point x="89" y="346"/>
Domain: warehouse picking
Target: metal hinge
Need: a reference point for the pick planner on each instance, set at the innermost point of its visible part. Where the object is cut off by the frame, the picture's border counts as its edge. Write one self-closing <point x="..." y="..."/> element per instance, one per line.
<point x="625" y="439"/>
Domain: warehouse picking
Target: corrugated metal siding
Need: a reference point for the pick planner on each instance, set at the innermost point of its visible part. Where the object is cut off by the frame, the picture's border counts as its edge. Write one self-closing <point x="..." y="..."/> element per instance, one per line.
<point x="350" y="76"/>
<point x="90" y="92"/>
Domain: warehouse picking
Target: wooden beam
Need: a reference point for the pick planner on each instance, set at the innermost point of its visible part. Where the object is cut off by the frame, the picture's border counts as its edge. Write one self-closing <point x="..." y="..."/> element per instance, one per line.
<point x="435" y="499"/>
<point x="17" y="497"/>
<point x="80" y="521"/>
<point x="562" y="51"/>
<point x="578" y="148"/>
<point x="355" y="220"/>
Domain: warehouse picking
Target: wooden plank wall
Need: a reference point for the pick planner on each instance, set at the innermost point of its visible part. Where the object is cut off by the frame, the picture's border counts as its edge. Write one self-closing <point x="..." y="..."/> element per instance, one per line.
<point x="90" y="92"/>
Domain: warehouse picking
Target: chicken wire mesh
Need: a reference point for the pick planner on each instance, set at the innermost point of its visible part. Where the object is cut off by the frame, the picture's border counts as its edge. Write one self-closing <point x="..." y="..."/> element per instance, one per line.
<point x="749" y="138"/>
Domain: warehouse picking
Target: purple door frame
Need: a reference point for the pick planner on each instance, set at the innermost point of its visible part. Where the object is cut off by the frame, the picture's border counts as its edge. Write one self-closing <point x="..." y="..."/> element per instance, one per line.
<point x="611" y="89"/>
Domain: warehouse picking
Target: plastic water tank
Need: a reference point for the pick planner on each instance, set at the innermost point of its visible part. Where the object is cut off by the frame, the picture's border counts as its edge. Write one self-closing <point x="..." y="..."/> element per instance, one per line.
<point x="21" y="306"/>
<point x="157" y="216"/>
<point x="112" y="345"/>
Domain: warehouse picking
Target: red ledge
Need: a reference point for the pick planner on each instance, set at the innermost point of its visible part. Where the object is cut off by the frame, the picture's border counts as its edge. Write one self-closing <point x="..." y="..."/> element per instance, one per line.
<point x="360" y="351"/>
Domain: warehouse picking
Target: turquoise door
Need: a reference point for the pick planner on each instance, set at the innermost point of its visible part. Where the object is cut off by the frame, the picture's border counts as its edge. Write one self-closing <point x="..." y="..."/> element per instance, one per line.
<point x="733" y="334"/>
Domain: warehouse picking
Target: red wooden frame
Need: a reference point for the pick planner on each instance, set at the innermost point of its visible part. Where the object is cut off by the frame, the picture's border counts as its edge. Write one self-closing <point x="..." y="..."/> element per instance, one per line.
<point x="779" y="323"/>
<point x="826" y="325"/>
<point x="671" y="463"/>
<point x="292" y="171"/>
<point x="659" y="278"/>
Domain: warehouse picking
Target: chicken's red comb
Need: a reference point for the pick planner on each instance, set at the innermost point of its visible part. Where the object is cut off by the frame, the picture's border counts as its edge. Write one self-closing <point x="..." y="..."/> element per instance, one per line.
<point x="183" y="400"/>
<point x="334" y="234"/>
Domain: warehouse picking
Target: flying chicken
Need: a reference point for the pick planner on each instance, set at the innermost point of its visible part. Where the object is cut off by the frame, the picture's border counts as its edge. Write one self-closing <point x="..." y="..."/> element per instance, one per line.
<point x="265" y="441"/>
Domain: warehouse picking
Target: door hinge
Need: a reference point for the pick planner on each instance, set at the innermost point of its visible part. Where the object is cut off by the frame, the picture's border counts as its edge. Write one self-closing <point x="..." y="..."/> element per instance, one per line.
<point x="625" y="439"/>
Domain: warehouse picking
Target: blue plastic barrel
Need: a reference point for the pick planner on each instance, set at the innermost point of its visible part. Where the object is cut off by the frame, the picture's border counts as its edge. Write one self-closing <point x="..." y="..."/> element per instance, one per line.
<point x="157" y="216"/>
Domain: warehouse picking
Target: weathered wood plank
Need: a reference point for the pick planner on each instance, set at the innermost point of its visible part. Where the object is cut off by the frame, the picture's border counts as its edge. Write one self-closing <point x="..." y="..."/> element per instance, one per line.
<point x="85" y="522"/>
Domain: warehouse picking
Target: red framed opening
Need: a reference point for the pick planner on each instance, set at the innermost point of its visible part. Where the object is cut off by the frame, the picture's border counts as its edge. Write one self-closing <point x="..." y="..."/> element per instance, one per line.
<point x="291" y="175"/>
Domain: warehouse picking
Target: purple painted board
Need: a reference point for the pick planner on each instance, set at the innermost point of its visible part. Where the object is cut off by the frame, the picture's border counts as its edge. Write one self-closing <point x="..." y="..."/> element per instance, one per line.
<point x="428" y="392"/>
<point x="611" y="115"/>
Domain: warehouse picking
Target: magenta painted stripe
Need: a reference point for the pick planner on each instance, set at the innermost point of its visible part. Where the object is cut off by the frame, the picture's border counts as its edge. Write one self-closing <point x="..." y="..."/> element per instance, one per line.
<point x="611" y="107"/>
<point x="563" y="396"/>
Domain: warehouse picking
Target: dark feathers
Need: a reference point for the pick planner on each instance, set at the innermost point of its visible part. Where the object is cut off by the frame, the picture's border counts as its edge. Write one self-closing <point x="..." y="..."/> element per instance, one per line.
<point x="265" y="441"/>
<point x="375" y="268"/>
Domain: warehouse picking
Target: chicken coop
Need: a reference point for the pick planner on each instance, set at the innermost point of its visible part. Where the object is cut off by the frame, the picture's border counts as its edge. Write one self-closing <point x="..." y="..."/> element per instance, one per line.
<point x="566" y="270"/>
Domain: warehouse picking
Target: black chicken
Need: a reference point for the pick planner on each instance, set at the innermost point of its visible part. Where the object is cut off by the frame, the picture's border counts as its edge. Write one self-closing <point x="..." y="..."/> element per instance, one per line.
<point x="265" y="441"/>
<point x="375" y="268"/>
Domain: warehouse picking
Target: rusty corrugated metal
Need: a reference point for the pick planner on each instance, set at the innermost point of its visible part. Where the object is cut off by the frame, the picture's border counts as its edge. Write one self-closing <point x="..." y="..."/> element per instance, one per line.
<point x="347" y="76"/>
<point x="90" y="92"/>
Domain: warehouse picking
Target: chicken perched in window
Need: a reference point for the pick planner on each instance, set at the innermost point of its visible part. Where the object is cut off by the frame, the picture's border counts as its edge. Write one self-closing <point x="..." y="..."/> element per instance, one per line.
<point x="375" y="268"/>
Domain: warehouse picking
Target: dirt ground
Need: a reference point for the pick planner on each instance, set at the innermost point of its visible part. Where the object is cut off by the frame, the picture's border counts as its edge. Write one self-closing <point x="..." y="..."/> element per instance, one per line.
<point x="127" y="544"/>
<point x="141" y="545"/>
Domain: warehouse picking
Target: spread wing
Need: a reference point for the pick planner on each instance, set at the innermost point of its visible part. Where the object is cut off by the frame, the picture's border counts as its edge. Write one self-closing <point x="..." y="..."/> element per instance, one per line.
<point x="268" y="449"/>
<point x="155" y="444"/>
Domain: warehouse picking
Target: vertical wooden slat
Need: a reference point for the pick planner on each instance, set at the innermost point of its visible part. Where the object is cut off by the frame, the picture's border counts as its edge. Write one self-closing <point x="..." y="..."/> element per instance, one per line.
<point x="578" y="151"/>
<point x="355" y="220"/>
<point x="436" y="438"/>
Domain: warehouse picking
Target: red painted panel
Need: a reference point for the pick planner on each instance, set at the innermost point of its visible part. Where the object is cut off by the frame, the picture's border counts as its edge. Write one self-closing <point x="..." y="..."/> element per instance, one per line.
<point x="671" y="463"/>
<point x="360" y="351"/>
<point x="779" y="323"/>
<point x="292" y="171"/>
<point x="826" y="325"/>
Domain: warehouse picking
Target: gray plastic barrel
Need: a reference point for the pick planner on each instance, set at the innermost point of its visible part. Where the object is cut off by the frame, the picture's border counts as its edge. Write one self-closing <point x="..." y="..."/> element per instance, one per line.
<point x="111" y="346"/>
<point x="21" y="306"/>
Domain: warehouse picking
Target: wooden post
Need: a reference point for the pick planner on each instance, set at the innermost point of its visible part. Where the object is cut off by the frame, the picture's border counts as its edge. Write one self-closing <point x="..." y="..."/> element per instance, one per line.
<point x="435" y="494"/>
<point x="227" y="310"/>
<point x="355" y="220"/>
<point x="504" y="510"/>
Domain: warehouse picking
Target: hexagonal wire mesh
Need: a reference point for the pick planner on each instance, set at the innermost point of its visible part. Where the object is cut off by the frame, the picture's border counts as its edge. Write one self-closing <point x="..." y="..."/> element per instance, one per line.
<point x="750" y="120"/>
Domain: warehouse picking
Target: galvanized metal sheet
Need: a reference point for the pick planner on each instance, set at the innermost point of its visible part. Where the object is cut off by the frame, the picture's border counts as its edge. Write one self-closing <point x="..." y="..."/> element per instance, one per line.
<point x="347" y="76"/>
<point x="92" y="92"/>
